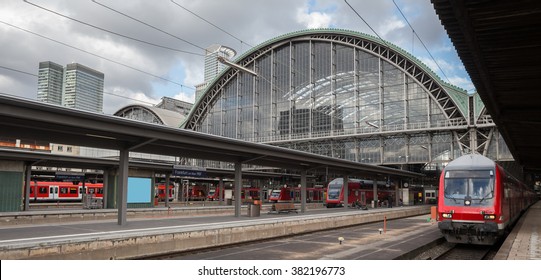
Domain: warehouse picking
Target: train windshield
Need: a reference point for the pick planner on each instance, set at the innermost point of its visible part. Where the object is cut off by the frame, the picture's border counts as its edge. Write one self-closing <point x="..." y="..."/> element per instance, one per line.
<point x="469" y="187"/>
<point x="334" y="189"/>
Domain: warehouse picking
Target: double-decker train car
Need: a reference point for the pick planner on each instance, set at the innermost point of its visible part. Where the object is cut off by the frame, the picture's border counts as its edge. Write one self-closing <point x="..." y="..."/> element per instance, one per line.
<point x="293" y="194"/>
<point x="63" y="191"/>
<point x="360" y="191"/>
<point x="479" y="201"/>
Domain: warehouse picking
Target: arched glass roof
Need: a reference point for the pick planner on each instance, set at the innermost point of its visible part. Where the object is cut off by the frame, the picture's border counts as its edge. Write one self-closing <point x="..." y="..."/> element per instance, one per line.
<point x="338" y="93"/>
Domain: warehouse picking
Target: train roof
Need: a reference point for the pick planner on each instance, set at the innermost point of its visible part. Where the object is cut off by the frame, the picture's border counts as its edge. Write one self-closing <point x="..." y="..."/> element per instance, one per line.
<point x="471" y="161"/>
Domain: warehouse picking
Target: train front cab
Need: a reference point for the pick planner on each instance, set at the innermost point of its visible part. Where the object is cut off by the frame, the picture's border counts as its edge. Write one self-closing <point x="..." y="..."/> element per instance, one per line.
<point x="468" y="208"/>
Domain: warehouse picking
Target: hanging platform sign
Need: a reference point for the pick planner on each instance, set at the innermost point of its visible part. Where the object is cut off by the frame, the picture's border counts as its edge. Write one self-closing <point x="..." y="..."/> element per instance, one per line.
<point x="189" y="171"/>
<point x="69" y="176"/>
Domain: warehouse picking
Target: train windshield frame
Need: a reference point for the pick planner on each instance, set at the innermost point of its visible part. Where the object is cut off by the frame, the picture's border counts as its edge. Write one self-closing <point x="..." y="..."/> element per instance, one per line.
<point x="334" y="190"/>
<point x="469" y="187"/>
<point x="275" y="193"/>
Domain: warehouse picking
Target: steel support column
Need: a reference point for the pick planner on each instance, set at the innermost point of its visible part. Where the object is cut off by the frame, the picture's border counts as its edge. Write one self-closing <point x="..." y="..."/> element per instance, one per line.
<point x="346" y="191"/>
<point x="238" y="188"/>
<point x="167" y="180"/>
<point x="303" y="191"/>
<point x="28" y="185"/>
<point x="375" y="189"/>
<point x="122" y="194"/>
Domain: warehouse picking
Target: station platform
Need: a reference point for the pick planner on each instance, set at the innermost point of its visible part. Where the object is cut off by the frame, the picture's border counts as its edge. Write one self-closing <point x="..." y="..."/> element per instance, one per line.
<point x="94" y="234"/>
<point x="151" y="232"/>
<point x="524" y="241"/>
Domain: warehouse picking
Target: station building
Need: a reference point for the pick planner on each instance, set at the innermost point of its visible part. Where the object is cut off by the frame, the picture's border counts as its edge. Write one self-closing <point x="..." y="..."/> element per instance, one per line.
<point x="346" y="95"/>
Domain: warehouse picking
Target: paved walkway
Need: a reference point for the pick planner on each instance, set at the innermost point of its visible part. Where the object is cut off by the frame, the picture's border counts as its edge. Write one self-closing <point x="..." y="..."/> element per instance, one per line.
<point x="524" y="242"/>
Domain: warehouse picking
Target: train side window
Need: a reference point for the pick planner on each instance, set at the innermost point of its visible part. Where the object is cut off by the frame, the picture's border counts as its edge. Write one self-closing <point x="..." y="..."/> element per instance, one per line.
<point x="43" y="190"/>
<point x="63" y="190"/>
<point x="73" y="190"/>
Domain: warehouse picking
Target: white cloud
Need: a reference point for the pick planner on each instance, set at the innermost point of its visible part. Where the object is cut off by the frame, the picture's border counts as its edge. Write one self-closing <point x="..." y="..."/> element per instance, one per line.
<point x="390" y="25"/>
<point x="462" y="82"/>
<point x="313" y="19"/>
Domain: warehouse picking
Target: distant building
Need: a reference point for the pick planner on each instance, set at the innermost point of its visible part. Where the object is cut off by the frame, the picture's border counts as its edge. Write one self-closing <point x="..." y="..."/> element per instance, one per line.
<point x="212" y="66"/>
<point x="50" y="81"/>
<point x="74" y="86"/>
<point x="83" y="88"/>
<point x="175" y="105"/>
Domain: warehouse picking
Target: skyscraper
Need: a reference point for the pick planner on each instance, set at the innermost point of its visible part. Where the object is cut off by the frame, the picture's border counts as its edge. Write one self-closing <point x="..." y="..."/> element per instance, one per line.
<point x="50" y="80"/>
<point x="74" y="86"/>
<point x="83" y="88"/>
<point x="212" y="66"/>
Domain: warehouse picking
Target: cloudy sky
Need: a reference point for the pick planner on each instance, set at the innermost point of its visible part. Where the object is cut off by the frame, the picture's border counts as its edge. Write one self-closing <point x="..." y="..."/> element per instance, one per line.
<point x="165" y="55"/>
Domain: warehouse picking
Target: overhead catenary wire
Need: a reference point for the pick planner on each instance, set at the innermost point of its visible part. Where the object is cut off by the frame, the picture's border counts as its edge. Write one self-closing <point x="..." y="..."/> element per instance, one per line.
<point x="367" y="24"/>
<point x="207" y="21"/>
<point x="384" y="42"/>
<point x="15" y="70"/>
<point x="417" y="35"/>
<point x="147" y="24"/>
<point x="111" y="32"/>
<point x="96" y="55"/>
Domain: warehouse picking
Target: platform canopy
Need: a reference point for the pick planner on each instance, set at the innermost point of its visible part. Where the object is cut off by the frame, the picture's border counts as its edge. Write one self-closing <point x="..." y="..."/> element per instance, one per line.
<point x="25" y="119"/>
<point x="499" y="43"/>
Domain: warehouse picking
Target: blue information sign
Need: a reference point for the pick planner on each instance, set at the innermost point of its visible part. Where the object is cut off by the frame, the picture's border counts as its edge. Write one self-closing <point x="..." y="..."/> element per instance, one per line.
<point x="189" y="171"/>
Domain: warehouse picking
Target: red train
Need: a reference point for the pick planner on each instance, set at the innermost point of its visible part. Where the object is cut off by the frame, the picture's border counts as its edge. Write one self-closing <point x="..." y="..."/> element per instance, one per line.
<point x="160" y="192"/>
<point x="479" y="201"/>
<point x="62" y="191"/>
<point x="360" y="191"/>
<point x="247" y="194"/>
<point x="282" y="194"/>
<point x="293" y="194"/>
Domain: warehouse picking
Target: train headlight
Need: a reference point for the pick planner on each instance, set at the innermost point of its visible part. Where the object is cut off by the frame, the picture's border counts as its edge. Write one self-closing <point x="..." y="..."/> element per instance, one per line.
<point x="489" y="217"/>
<point x="447" y="215"/>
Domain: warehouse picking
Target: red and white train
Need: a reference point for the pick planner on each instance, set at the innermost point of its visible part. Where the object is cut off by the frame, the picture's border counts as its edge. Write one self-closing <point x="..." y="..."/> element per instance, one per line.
<point x="160" y="192"/>
<point x="359" y="191"/>
<point x="479" y="201"/>
<point x="293" y="194"/>
<point x="47" y="191"/>
<point x="63" y="191"/>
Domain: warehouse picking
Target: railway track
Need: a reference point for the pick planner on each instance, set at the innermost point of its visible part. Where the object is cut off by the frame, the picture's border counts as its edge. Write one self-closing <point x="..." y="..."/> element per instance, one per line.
<point x="450" y="251"/>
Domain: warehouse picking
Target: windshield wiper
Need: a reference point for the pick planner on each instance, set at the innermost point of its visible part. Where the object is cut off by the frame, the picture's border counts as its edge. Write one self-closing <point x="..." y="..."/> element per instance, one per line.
<point x="486" y="196"/>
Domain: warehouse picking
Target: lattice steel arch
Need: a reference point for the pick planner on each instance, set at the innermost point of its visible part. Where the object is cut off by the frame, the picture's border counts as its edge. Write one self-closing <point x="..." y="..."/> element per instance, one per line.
<point x="444" y="94"/>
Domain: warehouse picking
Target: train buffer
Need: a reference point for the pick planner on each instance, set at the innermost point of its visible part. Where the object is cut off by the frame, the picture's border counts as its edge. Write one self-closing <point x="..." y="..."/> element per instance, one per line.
<point x="283" y="207"/>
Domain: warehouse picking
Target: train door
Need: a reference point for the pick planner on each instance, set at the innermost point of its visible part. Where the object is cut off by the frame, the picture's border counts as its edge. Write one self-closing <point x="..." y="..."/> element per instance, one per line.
<point x="297" y="195"/>
<point x="53" y="192"/>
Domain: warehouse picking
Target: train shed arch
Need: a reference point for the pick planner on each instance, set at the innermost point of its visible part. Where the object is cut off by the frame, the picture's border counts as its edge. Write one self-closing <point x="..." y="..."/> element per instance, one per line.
<point x="346" y="95"/>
